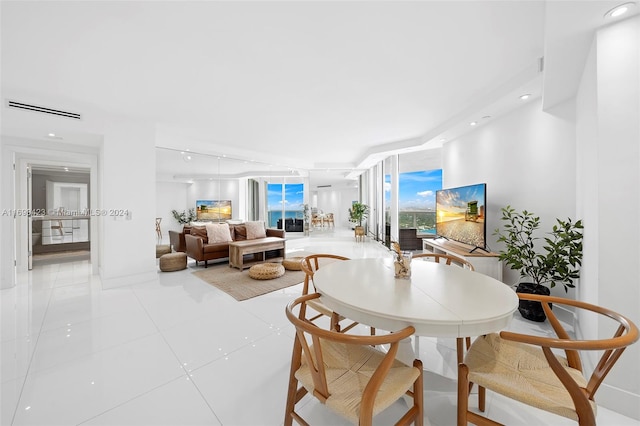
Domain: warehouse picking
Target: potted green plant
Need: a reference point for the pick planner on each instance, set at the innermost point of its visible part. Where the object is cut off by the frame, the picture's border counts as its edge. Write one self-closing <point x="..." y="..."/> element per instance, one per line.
<point x="306" y="212"/>
<point x="185" y="216"/>
<point x="558" y="262"/>
<point x="357" y="213"/>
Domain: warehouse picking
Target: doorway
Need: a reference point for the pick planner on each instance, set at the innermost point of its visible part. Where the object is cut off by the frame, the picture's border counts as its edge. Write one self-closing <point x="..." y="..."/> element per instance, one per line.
<point x="60" y="224"/>
<point x="23" y="156"/>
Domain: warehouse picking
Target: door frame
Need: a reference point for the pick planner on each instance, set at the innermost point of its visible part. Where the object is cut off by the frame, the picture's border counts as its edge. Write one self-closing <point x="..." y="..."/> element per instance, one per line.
<point x="25" y="157"/>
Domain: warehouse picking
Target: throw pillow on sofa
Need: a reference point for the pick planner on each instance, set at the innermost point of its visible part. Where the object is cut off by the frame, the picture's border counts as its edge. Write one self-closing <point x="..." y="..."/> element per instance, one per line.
<point x="255" y="230"/>
<point x="239" y="232"/>
<point x="200" y="231"/>
<point x="218" y="233"/>
<point x="198" y="223"/>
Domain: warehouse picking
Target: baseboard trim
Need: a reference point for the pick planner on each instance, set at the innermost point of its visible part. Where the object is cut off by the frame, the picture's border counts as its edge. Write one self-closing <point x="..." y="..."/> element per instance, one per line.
<point x="619" y="400"/>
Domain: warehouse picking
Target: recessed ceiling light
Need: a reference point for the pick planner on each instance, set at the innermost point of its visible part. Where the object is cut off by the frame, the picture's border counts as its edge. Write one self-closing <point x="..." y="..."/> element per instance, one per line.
<point x="619" y="10"/>
<point x="66" y="169"/>
<point x="525" y="96"/>
<point x="52" y="135"/>
<point x="473" y="123"/>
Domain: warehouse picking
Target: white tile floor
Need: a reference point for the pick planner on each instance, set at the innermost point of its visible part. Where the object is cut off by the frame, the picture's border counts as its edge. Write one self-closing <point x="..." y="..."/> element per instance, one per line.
<point x="177" y="351"/>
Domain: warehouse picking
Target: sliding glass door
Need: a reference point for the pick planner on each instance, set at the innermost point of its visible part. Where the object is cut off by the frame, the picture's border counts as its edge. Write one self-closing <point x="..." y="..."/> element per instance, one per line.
<point x="285" y="200"/>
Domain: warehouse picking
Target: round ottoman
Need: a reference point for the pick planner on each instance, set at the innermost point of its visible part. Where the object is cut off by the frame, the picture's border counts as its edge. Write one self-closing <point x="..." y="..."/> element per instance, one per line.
<point x="266" y="271"/>
<point x="173" y="262"/>
<point x="293" y="263"/>
<point x="162" y="249"/>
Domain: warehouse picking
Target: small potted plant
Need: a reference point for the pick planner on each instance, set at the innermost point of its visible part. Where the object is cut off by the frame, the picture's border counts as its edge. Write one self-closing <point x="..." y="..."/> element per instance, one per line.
<point x="558" y="262"/>
<point x="357" y="213"/>
<point x="185" y="216"/>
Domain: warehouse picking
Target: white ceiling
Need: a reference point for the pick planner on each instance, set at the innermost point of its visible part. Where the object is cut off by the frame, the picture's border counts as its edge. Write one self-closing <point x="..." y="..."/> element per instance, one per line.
<point x="308" y="88"/>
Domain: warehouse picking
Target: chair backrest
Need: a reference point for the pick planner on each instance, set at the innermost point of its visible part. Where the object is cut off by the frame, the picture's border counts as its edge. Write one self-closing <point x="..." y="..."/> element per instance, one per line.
<point x="314" y="356"/>
<point x="514" y="354"/>
<point x="311" y="264"/>
<point x="444" y="258"/>
<point x="626" y="333"/>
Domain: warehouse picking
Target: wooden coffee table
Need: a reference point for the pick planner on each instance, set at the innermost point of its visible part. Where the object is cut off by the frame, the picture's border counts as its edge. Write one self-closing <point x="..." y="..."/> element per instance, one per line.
<point x="237" y="250"/>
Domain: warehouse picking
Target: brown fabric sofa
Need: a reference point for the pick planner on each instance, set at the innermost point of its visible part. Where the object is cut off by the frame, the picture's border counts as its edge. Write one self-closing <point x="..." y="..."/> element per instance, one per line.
<point x="199" y="249"/>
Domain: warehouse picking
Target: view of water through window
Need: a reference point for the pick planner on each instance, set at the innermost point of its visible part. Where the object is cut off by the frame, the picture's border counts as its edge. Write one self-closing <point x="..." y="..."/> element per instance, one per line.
<point x="291" y="206"/>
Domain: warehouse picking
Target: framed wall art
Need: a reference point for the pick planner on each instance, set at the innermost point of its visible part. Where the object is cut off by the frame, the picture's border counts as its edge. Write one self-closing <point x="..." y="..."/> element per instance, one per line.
<point x="216" y="210"/>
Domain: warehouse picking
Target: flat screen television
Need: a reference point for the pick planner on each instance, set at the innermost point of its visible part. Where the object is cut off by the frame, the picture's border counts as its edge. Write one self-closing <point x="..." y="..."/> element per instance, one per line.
<point x="460" y="214"/>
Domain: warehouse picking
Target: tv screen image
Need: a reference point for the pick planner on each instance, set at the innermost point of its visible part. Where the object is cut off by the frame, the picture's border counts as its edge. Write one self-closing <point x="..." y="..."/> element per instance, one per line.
<point x="213" y="209"/>
<point x="460" y="214"/>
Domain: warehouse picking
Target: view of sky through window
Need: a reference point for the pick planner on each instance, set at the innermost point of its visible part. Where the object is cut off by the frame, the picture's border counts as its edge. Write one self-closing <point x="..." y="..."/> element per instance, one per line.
<point x="293" y="203"/>
<point x="416" y="198"/>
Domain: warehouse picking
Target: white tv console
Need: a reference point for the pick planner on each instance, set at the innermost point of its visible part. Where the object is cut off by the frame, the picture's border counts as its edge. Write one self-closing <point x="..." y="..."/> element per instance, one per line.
<point x="484" y="262"/>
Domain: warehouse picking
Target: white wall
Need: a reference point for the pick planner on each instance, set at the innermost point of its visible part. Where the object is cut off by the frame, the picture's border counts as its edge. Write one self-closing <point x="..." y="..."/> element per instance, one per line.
<point x="586" y="192"/>
<point x="223" y="189"/>
<point x="182" y="196"/>
<point x="39" y="182"/>
<point x="527" y="160"/>
<point x="608" y="122"/>
<point x="585" y="164"/>
<point x="6" y="237"/>
<point x="337" y="201"/>
<point x="128" y="177"/>
<point x="171" y="196"/>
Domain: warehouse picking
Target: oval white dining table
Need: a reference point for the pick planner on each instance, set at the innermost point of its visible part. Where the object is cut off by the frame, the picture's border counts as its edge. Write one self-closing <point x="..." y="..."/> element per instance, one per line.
<point x="437" y="300"/>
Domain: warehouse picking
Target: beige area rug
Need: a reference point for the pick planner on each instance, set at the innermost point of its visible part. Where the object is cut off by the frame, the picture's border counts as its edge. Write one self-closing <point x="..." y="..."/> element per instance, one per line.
<point x="238" y="284"/>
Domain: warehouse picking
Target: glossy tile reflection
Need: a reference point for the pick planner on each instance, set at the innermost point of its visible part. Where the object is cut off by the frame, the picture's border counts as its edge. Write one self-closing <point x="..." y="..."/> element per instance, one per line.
<point x="176" y="351"/>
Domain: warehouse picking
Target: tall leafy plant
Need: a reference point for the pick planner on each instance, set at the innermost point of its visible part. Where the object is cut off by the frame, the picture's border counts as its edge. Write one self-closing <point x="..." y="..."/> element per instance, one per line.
<point x="358" y="212"/>
<point x="560" y="259"/>
<point x="185" y="216"/>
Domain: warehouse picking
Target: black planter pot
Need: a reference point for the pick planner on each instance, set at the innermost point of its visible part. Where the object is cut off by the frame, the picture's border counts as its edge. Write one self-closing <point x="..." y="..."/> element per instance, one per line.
<point x="529" y="309"/>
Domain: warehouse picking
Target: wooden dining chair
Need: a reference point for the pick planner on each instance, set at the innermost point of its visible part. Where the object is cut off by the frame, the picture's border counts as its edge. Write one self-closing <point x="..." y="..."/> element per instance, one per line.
<point x="328" y="219"/>
<point x="310" y="265"/>
<point x="448" y="259"/>
<point x="525" y="368"/>
<point x="347" y="373"/>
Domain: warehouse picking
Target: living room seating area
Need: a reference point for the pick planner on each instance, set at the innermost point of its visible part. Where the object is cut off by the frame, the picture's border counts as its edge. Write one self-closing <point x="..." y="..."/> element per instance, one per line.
<point x="211" y="241"/>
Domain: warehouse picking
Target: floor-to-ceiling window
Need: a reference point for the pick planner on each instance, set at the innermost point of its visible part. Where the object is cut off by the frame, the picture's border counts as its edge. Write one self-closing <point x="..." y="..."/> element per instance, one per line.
<point x="417" y="200"/>
<point x="284" y="201"/>
<point x="419" y="177"/>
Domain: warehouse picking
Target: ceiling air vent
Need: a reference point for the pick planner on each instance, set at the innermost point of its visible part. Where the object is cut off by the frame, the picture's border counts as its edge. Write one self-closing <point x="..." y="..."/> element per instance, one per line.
<point x="44" y="110"/>
<point x="323" y="186"/>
